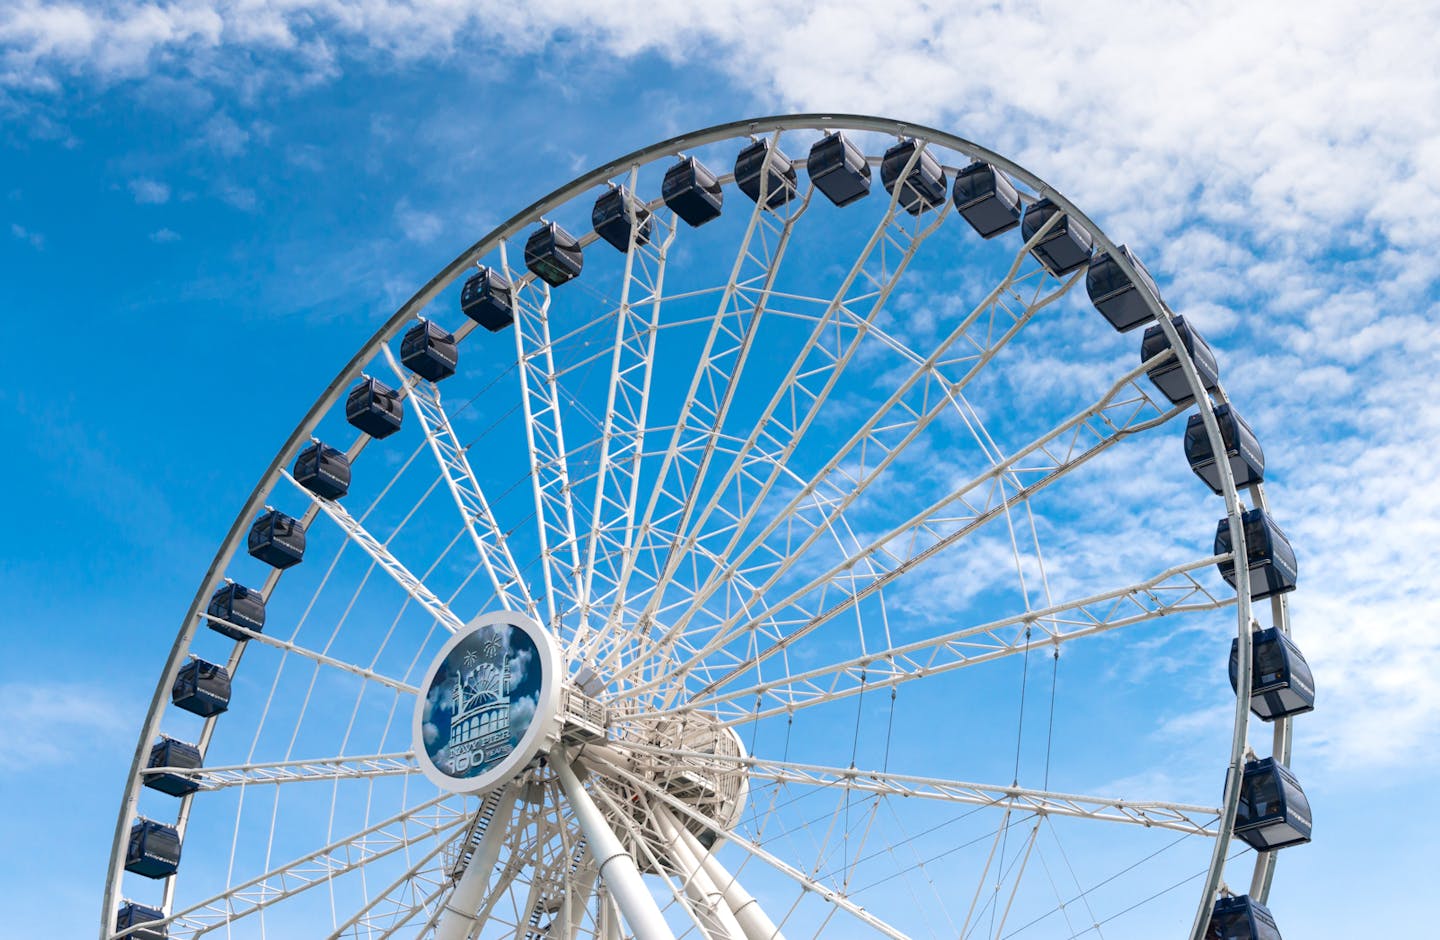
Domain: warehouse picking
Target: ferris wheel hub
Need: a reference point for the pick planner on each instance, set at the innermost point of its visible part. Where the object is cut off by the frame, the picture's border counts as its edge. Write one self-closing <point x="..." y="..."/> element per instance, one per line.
<point x="697" y="762"/>
<point x="489" y="704"/>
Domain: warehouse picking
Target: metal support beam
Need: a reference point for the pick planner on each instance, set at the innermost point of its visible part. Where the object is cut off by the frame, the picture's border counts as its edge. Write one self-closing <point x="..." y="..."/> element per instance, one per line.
<point x="709" y="900"/>
<point x="459" y="918"/>
<point x="753" y="920"/>
<point x="616" y="866"/>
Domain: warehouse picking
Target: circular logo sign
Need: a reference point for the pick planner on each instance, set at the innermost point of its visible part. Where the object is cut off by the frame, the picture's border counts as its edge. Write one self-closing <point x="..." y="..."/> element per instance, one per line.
<point x="487" y="702"/>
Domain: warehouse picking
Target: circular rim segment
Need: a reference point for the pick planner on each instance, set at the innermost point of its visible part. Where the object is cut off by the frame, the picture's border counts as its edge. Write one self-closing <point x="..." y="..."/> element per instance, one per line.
<point x="551" y="693"/>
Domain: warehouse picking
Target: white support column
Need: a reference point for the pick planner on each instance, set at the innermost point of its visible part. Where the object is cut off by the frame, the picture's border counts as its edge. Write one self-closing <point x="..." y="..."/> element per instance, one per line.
<point x="609" y="928"/>
<point x="458" y="920"/>
<point x="616" y="866"/>
<point x="751" y="917"/>
<point x="578" y="891"/>
<point x="713" y="910"/>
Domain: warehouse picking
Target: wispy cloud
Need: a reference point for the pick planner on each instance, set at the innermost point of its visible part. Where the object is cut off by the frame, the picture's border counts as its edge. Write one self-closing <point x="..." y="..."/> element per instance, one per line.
<point x="46" y="724"/>
<point x="224" y="136"/>
<point x="1282" y="180"/>
<point x="149" y="192"/>
<point x="164" y="236"/>
<point x="33" y="239"/>
<point x="417" y="225"/>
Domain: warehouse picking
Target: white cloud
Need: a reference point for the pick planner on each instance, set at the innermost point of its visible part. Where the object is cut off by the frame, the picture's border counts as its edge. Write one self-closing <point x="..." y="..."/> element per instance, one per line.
<point x="33" y="239"/>
<point x="223" y="135"/>
<point x="1241" y="162"/>
<point x="149" y="192"/>
<point x="164" y="236"/>
<point x="418" y="226"/>
<point x="45" y="724"/>
<point x="238" y="197"/>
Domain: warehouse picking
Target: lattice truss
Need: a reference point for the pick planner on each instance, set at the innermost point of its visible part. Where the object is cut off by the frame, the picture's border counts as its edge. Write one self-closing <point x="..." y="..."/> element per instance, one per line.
<point x="737" y="471"/>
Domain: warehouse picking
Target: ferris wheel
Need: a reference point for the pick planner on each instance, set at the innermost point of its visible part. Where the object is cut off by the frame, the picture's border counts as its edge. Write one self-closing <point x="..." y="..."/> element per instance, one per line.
<point x="789" y="529"/>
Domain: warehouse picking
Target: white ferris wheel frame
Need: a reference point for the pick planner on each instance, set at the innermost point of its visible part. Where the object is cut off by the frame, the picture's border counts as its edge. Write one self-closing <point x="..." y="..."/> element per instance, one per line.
<point x="513" y="593"/>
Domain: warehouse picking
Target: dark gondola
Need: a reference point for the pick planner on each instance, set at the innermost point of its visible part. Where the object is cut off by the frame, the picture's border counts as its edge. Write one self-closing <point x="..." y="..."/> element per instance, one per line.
<point x="374" y="408"/>
<point x="553" y="254"/>
<point x="429" y="351"/>
<point x="760" y="164"/>
<point x="1241" y="919"/>
<point x="612" y="214"/>
<point x="153" y="850"/>
<point x="239" y="605"/>
<point x="692" y="192"/>
<point x="1281" y="683"/>
<point x="986" y="199"/>
<point x="488" y="298"/>
<point x="136" y="915"/>
<point x="1168" y="377"/>
<point x="1247" y="460"/>
<point x="1273" y="810"/>
<point x="1119" y="299"/>
<point x="277" y="539"/>
<point x="923" y="188"/>
<point x="168" y="752"/>
<point x="1067" y="244"/>
<point x="838" y="169"/>
<point x="1270" y="559"/>
<point x="201" y="688"/>
<point x="323" y="470"/>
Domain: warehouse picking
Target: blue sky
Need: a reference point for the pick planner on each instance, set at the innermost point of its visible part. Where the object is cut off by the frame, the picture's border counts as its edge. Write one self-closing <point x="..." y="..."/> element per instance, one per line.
<point x="208" y="206"/>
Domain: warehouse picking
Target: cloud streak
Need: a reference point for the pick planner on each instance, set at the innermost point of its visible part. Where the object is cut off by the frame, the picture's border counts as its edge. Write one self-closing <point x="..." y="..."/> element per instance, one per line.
<point x="1281" y="179"/>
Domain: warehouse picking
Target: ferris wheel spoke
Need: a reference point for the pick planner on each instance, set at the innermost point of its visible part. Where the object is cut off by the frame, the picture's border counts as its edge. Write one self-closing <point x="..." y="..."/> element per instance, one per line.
<point x="403" y="916"/>
<point x="924" y="395"/>
<point x="1123" y="411"/>
<point x="684" y="810"/>
<point x="552" y="880"/>
<point x="545" y="439"/>
<point x="520" y="848"/>
<point x="490" y="542"/>
<point x="314" y="655"/>
<point x="338" y="858"/>
<point x="370" y="766"/>
<point x="397" y="904"/>
<point x="381" y="555"/>
<point x="1180" y="817"/>
<point x="702" y="411"/>
<point x="804" y="390"/>
<point x="1176" y="590"/>
<point x="622" y="439"/>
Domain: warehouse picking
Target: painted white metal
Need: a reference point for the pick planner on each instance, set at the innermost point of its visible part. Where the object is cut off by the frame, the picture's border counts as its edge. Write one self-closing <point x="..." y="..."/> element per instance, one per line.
<point x="545" y="437"/>
<point x="351" y="853"/>
<point x="615" y="865"/>
<point x="1049" y="457"/>
<point x="544" y="724"/>
<point x="622" y="439"/>
<point x="489" y="540"/>
<point x="316" y="656"/>
<point x="459" y="917"/>
<point x="718" y="367"/>
<point x="579" y="890"/>
<point x="749" y="916"/>
<point x="376" y="549"/>
<point x="716" y="919"/>
<point x="292" y="771"/>
<point x="1173" y="591"/>
<point x="822" y="368"/>
<point x="800" y="878"/>
<point x="1263" y="866"/>
<point x="1158" y="814"/>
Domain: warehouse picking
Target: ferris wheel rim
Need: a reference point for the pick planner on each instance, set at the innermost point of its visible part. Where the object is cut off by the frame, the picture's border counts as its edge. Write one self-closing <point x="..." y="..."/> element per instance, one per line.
<point x="569" y="192"/>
